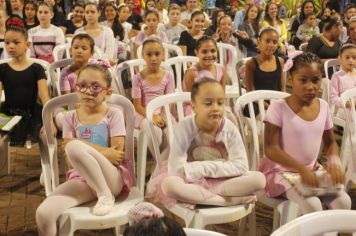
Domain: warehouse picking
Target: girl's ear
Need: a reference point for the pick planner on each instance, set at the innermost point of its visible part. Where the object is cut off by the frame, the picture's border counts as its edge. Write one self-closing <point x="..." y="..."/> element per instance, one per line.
<point x="28" y="44"/>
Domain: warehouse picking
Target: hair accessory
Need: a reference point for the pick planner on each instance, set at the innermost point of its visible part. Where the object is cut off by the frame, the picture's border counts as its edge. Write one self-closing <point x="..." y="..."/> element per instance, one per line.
<point x="143" y="210"/>
<point x="291" y="55"/>
<point x="14" y="22"/>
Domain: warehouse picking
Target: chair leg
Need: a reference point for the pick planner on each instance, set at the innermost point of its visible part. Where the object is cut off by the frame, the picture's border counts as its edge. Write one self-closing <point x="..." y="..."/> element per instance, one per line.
<point x="119" y="230"/>
<point x="197" y="223"/>
<point x="141" y="160"/>
<point x="288" y="211"/>
<point x="276" y="219"/>
<point x="252" y="222"/>
<point x="66" y="226"/>
<point x="242" y="226"/>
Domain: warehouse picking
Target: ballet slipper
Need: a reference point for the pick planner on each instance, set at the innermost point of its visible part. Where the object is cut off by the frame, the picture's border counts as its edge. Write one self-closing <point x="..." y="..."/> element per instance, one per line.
<point x="103" y="205"/>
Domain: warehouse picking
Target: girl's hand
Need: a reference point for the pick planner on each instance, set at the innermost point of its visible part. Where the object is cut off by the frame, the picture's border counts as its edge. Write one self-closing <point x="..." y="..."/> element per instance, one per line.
<point x="242" y="34"/>
<point x="337" y="175"/>
<point x="309" y="178"/>
<point x="114" y="156"/>
<point x="159" y="121"/>
<point x="216" y="34"/>
<point x="132" y="33"/>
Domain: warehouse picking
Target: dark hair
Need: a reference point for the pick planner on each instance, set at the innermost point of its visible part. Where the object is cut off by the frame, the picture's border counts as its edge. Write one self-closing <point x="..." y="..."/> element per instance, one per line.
<point x="331" y="21"/>
<point x="151" y="11"/>
<point x="196" y="13"/>
<point x="35" y="6"/>
<point x="267" y="16"/>
<point x="15" y="24"/>
<point x="349" y="6"/>
<point x="214" y="18"/>
<point x="203" y="39"/>
<point x="308" y="15"/>
<point x="8" y="8"/>
<point x="92" y="4"/>
<point x="346" y="46"/>
<point x="122" y="7"/>
<point x="266" y="30"/>
<point x="322" y="13"/>
<point x="86" y="37"/>
<point x="46" y="4"/>
<point x="155" y="227"/>
<point x="116" y="26"/>
<point x="256" y="23"/>
<point x="103" y="70"/>
<point x="150" y="1"/>
<point x="17" y="29"/>
<point x="303" y="59"/>
<point x="151" y="40"/>
<point x="196" y="86"/>
<point x="302" y="14"/>
<point x="77" y="4"/>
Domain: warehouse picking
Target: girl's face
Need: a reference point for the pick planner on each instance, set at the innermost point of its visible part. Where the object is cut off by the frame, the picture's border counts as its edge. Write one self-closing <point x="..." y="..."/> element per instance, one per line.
<point x="326" y="13"/>
<point x="44" y="15"/>
<point x="78" y="13"/>
<point x="81" y="51"/>
<point x="311" y="21"/>
<point x="150" y="4"/>
<point x="273" y="10"/>
<point x="3" y="4"/>
<point x="124" y="13"/>
<point x="350" y="13"/>
<point x="207" y="53"/>
<point x="30" y="11"/>
<point x="153" y="55"/>
<point x="198" y="22"/>
<point x="352" y="31"/>
<point x="306" y="82"/>
<point x="174" y="16"/>
<point x="92" y="88"/>
<point x="252" y="13"/>
<point x="160" y="5"/>
<point x="110" y="13"/>
<point x="91" y="14"/>
<point x="268" y="43"/>
<point x="348" y="59"/>
<point x="336" y="31"/>
<point x="308" y="8"/>
<point x="16" y="44"/>
<point x="15" y="5"/>
<point x="209" y="105"/>
<point x="152" y="21"/>
<point x="225" y="25"/>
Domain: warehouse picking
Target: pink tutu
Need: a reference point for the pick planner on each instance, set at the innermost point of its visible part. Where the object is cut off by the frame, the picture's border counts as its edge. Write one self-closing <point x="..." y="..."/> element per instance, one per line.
<point x="154" y="189"/>
<point x="125" y="175"/>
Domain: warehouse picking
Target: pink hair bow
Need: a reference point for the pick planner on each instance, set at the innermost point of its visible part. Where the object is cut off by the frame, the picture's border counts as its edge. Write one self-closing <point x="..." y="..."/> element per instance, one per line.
<point x="143" y="210"/>
<point x="291" y="55"/>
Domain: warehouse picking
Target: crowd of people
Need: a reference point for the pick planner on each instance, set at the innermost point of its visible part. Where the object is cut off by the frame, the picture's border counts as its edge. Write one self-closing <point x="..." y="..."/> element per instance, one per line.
<point x="279" y="49"/>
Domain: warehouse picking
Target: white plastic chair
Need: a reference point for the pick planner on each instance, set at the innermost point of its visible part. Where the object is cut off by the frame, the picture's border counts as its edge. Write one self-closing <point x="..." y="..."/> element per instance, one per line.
<point x="168" y="48"/>
<point x="240" y="79"/>
<point x="201" y="232"/>
<point x="320" y="223"/>
<point x="80" y="217"/>
<point x="284" y="210"/>
<point x="58" y="52"/>
<point x="201" y="216"/>
<point x="55" y="70"/>
<point x="334" y="63"/>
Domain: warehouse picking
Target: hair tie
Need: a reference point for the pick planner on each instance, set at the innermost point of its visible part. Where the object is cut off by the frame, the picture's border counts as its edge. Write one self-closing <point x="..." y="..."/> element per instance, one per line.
<point x="14" y="22"/>
<point x="291" y="55"/>
<point x="143" y="210"/>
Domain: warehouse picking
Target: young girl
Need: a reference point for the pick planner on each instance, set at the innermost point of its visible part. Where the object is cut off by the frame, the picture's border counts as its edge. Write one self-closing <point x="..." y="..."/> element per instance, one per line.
<point x="23" y="82"/>
<point x="29" y="12"/>
<point x="124" y="12"/>
<point x="17" y="8"/>
<point x="151" y="82"/>
<point x="207" y="52"/>
<point x="151" y="20"/>
<point x="46" y="36"/>
<point x="345" y="78"/>
<point x="103" y="36"/>
<point x="3" y="18"/>
<point x="294" y="129"/>
<point x="308" y="29"/>
<point x="264" y="72"/>
<point x="77" y="21"/>
<point x="207" y="157"/>
<point x="99" y="168"/>
<point x="188" y="39"/>
<point x="272" y="19"/>
<point x="215" y="20"/>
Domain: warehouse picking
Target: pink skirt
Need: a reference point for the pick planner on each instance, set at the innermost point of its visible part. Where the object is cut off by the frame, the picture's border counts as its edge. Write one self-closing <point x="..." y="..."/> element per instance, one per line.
<point x="125" y="175"/>
<point x="154" y="189"/>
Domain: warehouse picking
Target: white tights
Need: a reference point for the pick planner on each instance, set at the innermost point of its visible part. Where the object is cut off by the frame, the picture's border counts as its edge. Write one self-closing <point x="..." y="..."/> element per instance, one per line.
<point x="233" y="191"/>
<point x="314" y="203"/>
<point x="102" y="179"/>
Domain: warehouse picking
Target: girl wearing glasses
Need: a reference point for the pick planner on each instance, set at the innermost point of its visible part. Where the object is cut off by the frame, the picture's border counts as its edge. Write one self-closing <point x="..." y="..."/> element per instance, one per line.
<point x="93" y="140"/>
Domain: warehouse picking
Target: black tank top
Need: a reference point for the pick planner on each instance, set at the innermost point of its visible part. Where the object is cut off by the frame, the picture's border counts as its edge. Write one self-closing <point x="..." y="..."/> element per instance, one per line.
<point x="267" y="80"/>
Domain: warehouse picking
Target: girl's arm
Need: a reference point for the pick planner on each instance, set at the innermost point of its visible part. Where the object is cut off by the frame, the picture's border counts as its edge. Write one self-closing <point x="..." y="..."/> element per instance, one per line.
<point x="249" y="79"/>
<point x="335" y="91"/>
<point x="189" y="78"/>
<point x="135" y="47"/>
<point x="224" y="78"/>
<point x="282" y="83"/>
<point x="64" y="29"/>
<point x="138" y="106"/>
<point x="184" y="49"/>
<point x="299" y="34"/>
<point x="43" y="91"/>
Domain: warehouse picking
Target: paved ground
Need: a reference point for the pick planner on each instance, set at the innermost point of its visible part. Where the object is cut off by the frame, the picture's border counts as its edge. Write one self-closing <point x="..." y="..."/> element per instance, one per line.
<point x="21" y="193"/>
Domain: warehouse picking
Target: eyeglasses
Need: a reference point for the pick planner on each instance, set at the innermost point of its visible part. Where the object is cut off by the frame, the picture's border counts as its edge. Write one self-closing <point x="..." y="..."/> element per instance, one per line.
<point x="94" y="88"/>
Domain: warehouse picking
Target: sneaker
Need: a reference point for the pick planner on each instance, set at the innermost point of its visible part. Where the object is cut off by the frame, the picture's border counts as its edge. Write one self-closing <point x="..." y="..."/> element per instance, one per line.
<point x="103" y="205"/>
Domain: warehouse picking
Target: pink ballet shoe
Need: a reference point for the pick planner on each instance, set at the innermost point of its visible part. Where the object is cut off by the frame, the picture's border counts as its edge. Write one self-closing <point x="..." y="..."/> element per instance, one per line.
<point x="103" y="205"/>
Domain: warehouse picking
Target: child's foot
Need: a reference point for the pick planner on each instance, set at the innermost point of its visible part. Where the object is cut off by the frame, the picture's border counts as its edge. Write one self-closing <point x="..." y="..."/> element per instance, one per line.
<point x="42" y="179"/>
<point x="104" y="205"/>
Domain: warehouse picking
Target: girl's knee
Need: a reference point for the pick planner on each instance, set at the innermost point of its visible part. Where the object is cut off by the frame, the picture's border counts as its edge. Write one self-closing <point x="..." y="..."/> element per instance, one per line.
<point x="258" y="180"/>
<point x="42" y="216"/>
<point x="343" y="201"/>
<point x="169" y="186"/>
<point x="312" y="204"/>
<point x="74" y="149"/>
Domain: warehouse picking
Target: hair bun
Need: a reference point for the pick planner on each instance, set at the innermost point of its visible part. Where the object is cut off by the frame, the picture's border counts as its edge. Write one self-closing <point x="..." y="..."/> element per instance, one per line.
<point x="14" y="21"/>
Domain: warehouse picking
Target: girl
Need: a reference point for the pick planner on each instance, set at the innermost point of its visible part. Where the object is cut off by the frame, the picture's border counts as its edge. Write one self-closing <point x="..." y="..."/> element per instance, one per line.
<point x="151" y="82"/>
<point x="23" y="82"/>
<point x="3" y="18"/>
<point x="102" y="35"/>
<point x="99" y="168"/>
<point x="29" y="12"/>
<point x="77" y="21"/>
<point x="17" y="8"/>
<point x="207" y="157"/>
<point x="345" y="78"/>
<point x="264" y="72"/>
<point x="46" y="36"/>
<point x="324" y="15"/>
<point x="81" y="50"/>
<point x="272" y="19"/>
<point x="305" y="115"/>
<point x="151" y="20"/>
<point x="188" y="39"/>
<point x="123" y="12"/>
<point x="308" y="29"/>
<point x="251" y="26"/>
<point x="217" y="14"/>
